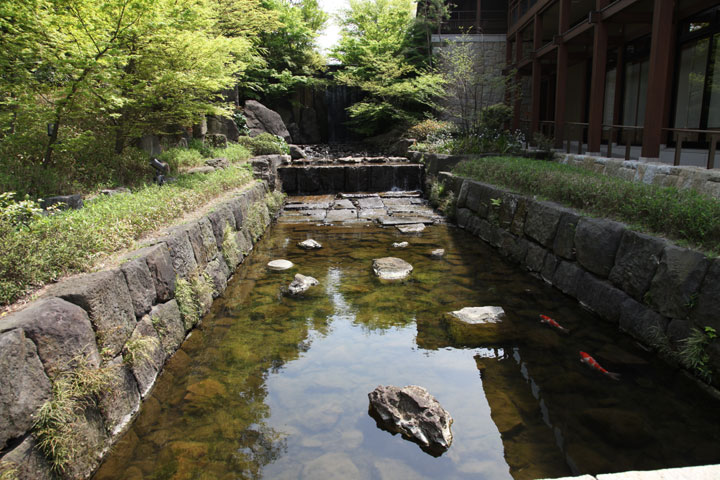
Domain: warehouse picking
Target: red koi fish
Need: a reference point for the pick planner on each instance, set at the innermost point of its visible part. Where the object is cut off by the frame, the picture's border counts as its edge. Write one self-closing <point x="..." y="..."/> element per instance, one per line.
<point x="592" y="363"/>
<point x="553" y="323"/>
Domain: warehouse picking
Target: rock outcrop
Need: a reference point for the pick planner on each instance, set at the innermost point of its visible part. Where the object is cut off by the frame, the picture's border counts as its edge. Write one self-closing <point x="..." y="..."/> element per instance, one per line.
<point x="261" y="119"/>
<point x="415" y="414"/>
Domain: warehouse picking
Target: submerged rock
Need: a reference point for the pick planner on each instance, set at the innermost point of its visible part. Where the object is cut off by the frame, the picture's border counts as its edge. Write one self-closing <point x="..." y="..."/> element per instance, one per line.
<point x="479" y="315"/>
<point x="413" y="228"/>
<point x="279" y="265"/>
<point x="438" y="253"/>
<point x="415" y="414"/>
<point x="301" y="284"/>
<point x="400" y="244"/>
<point x="478" y="326"/>
<point x="391" y="268"/>
<point x="309" y="244"/>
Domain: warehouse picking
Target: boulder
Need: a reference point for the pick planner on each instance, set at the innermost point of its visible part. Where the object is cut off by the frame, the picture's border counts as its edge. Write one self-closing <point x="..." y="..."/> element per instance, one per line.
<point x="309" y="244"/>
<point x="217" y="163"/>
<point x="223" y="126"/>
<point x="280" y="265"/>
<point x="24" y="387"/>
<point x="391" y="268"/>
<point x="415" y="414"/>
<point x="708" y="300"/>
<point x="61" y="331"/>
<point x="597" y="241"/>
<point x="106" y="298"/>
<point x="161" y="270"/>
<point x="261" y="119"/>
<point x="400" y="148"/>
<point x="63" y="202"/>
<point x="636" y="263"/>
<point x="297" y="153"/>
<point x="301" y="284"/>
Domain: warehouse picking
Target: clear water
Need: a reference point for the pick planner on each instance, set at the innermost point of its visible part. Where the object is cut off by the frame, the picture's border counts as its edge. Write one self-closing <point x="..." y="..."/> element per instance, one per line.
<point x="276" y="387"/>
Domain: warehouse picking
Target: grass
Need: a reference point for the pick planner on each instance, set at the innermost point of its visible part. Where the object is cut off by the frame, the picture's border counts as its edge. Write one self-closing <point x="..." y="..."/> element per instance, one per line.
<point x="265" y="144"/>
<point x="71" y="242"/>
<point x="138" y="351"/>
<point x="56" y="429"/>
<point x="230" y="249"/>
<point x="192" y="296"/>
<point x="182" y="158"/>
<point x="683" y="215"/>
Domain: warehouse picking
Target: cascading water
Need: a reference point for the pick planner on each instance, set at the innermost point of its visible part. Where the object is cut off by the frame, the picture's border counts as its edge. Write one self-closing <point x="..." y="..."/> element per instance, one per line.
<point x="337" y="99"/>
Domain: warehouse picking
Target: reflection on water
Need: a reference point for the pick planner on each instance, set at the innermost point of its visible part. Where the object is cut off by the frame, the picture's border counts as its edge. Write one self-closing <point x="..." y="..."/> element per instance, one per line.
<point x="276" y="387"/>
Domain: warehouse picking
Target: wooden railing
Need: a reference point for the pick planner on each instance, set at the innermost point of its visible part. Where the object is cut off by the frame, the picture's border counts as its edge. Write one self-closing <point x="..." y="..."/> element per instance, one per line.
<point x="681" y="135"/>
<point x="579" y="129"/>
<point x="629" y="139"/>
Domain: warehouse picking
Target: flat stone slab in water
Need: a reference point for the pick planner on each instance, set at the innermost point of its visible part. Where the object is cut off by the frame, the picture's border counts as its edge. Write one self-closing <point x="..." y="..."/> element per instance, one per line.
<point x="279" y="265"/>
<point x="308" y="206"/>
<point x="372" y="213"/>
<point x="416" y="228"/>
<point x="391" y="268"/>
<point x="390" y="221"/>
<point x="438" y="253"/>
<point x="309" y="244"/>
<point x="415" y="414"/>
<point x="371" y="202"/>
<point x="343" y="204"/>
<point x="341" y="215"/>
<point x="301" y="284"/>
<point x="479" y="315"/>
<point x="400" y="244"/>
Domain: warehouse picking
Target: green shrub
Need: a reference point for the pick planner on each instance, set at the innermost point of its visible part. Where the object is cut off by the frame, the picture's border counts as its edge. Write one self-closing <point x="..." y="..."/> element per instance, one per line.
<point x="187" y="304"/>
<point x="429" y="128"/>
<point x="70" y="242"/>
<point x="138" y="350"/>
<point x="234" y="153"/>
<point x="494" y="118"/>
<point x="684" y="215"/>
<point x="178" y="157"/>
<point x="18" y="213"/>
<point x="265" y="144"/>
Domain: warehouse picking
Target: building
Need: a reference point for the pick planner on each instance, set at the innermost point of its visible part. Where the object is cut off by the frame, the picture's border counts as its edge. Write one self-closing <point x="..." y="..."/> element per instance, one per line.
<point x="633" y="78"/>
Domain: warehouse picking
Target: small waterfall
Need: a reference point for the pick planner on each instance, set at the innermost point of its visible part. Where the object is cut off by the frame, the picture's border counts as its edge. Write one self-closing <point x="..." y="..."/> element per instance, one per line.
<point x="337" y="99"/>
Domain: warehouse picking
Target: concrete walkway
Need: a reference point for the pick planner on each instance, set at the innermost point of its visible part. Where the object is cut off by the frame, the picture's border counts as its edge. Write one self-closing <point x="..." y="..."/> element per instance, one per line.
<point x="710" y="472"/>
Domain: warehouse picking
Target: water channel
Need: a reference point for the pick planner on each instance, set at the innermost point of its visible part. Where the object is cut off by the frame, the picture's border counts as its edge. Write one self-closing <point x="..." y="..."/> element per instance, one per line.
<point x="276" y="387"/>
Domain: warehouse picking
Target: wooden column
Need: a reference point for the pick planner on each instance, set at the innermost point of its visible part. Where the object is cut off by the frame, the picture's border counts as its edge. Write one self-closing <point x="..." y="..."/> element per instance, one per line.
<point x="518" y="81"/>
<point x="561" y="77"/>
<point x="658" y="77"/>
<point x="597" y="84"/>
<point x="478" y="18"/>
<point x="536" y="77"/>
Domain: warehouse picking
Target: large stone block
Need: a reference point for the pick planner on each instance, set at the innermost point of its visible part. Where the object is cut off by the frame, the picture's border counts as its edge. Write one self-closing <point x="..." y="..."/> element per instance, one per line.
<point x="564" y="244"/>
<point x="601" y="297"/>
<point x="219" y="272"/>
<point x="636" y="262"/>
<point x="169" y="325"/>
<point x="140" y="284"/>
<point x="24" y="387"/>
<point x="219" y="219"/>
<point x="203" y="241"/>
<point x="120" y="399"/>
<point x="61" y="331"/>
<point x="707" y="305"/>
<point x="535" y="257"/>
<point x="515" y="248"/>
<point x="567" y="276"/>
<point x="106" y="298"/>
<point x="677" y="281"/>
<point x="542" y="221"/>
<point x="90" y="441"/>
<point x="28" y="462"/>
<point x="463" y="217"/>
<point x="181" y="251"/>
<point x="596" y="244"/>
<point x="478" y="197"/>
<point x="517" y="227"/>
<point x="641" y="322"/>
<point x="145" y="355"/>
<point x="161" y="269"/>
<point x="288" y="179"/>
<point x="549" y="266"/>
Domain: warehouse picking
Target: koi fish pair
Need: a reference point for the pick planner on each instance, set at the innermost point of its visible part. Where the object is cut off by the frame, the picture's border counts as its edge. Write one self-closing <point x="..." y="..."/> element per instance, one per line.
<point x="584" y="357"/>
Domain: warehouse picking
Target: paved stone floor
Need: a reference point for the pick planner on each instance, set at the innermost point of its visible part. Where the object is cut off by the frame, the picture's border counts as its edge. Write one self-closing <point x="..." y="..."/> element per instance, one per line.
<point x="387" y="209"/>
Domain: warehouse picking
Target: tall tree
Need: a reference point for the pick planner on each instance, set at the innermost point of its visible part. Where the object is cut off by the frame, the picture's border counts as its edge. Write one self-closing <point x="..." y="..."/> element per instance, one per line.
<point x="379" y="56"/>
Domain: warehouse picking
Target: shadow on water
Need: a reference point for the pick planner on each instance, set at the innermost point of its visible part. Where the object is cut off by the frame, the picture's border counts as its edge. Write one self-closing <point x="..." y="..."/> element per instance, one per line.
<point x="276" y="387"/>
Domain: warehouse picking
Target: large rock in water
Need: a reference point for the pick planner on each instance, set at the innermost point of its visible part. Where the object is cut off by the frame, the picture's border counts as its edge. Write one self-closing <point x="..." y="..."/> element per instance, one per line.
<point x="301" y="284"/>
<point x="261" y="119"/>
<point x="391" y="268"/>
<point x="415" y="414"/>
<point x="478" y="326"/>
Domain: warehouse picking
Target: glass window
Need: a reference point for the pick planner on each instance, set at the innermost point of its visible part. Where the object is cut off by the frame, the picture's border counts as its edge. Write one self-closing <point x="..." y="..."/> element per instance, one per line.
<point x="636" y="78"/>
<point x="691" y="84"/>
<point x="714" y="87"/>
<point x="609" y="107"/>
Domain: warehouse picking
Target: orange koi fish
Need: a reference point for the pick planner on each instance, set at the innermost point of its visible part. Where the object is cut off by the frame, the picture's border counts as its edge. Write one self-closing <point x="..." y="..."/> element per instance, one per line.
<point x="592" y="363"/>
<point x="553" y="323"/>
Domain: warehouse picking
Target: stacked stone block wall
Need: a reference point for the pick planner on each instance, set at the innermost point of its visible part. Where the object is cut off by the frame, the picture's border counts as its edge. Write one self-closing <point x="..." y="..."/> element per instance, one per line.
<point x="654" y="290"/>
<point x="91" y="320"/>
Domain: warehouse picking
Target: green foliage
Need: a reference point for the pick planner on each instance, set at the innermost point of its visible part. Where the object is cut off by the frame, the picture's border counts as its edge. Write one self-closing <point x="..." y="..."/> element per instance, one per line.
<point x="544" y="144"/>
<point x="684" y="215"/>
<point x="70" y="242"/>
<point x="187" y="303"/>
<point x="18" y="213"/>
<point x="182" y="158"/>
<point x="442" y="198"/>
<point x="8" y="470"/>
<point x="139" y="350"/>
<point x="274" y="201"/>
<point x="379" y="56"/>
<point x="258" y="217"/>
<point x="693" y="355"/>
<point x="428" y="129"/>
<point x="57" y="426"/>
<point x="230" y="249"/>
<point x="265" y="144"/>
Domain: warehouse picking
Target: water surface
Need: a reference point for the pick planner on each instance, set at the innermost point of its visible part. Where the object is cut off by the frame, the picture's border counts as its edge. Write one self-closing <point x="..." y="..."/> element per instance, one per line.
<point x="276" y="387"/>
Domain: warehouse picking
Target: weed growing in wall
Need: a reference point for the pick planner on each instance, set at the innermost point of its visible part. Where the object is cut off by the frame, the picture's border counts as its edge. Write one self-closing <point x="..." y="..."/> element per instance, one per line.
<point x="8" y="470"/>
<point x="139" y="350"/>
<point x="230" y="249"/>
<point x="194" y="297"/>
<point x="442" y="198"/>
<point x="57" y="428"/>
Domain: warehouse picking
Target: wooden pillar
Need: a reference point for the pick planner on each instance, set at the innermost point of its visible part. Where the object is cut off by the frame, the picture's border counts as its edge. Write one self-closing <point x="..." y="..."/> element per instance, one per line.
<point x="597" y="84"/>
<point x="478" y="18"/>
<point x="518" y="81"/>
<point x="658" y="77"/>
<point x="536" y="77"/>
<point x="561" y="73"/>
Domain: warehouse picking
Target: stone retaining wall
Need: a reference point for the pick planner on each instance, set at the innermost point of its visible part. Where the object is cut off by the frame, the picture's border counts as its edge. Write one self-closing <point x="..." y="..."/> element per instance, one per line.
<point x="654" y="290"/>
<point x="94" y="322"/>
<point x="701" y="179"/>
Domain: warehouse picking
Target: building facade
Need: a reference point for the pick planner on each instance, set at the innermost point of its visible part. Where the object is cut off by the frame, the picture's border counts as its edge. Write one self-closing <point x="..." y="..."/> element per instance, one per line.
<point x="623" y="77"/>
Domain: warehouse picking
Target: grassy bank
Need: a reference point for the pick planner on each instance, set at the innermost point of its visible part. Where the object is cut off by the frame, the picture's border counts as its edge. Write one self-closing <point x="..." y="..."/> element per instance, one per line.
<point x="682" y="215"/>
<point x="70" y="242"/>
